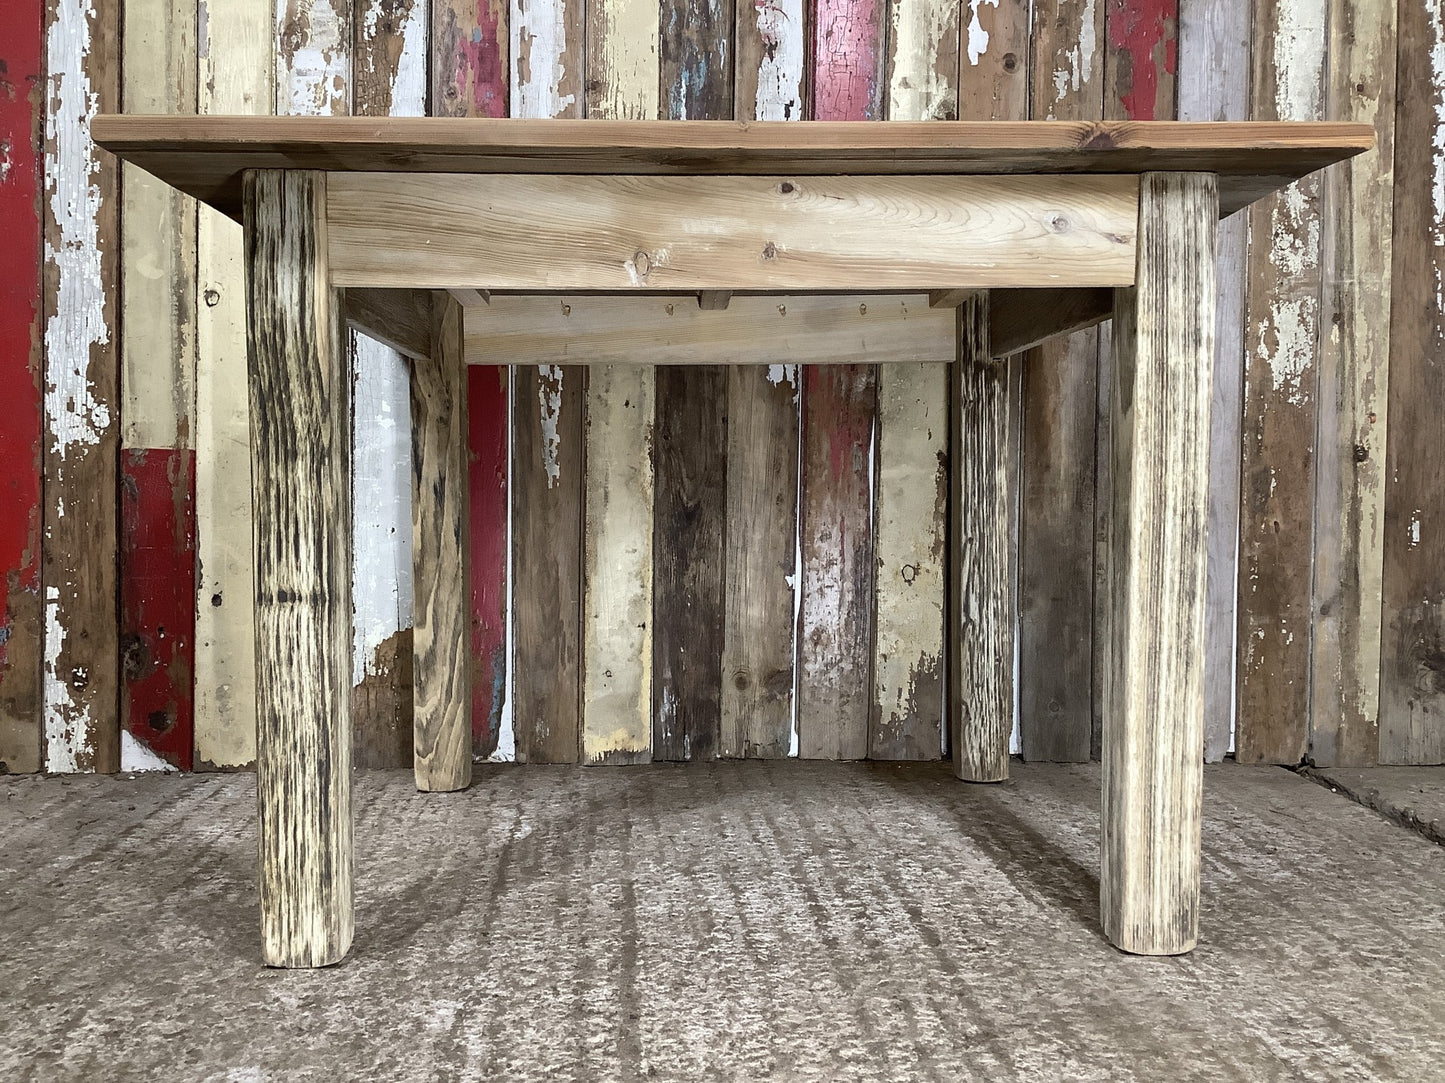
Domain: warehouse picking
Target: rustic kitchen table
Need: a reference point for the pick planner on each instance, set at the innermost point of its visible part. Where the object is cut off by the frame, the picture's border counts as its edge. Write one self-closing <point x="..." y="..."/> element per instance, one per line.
<point x="717" y="242"/>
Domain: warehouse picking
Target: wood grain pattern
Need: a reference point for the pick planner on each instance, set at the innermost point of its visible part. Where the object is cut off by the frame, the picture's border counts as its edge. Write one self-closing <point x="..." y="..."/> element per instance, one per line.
<point x="1281" y="349"/>
<point x="993" y="68"/>
<point x="236" y="72"/>
<point x="1022" y="319"/>
<point x="1354" y="380"/>
<point x="762" y="522"/>
<point x="470" y="74"/>
<point x="442" y="657"/>
<point x="1213" y="85"/>
<point x="22" y="112"/>
<point x="82" y="397"/>
<point x="1154" y="717"/>
<point x="981" y="593"/>
<point x="300" y="414"/>
<point x="774" y="233"/>
<point x="1412" y="656"/>
<point x="398" y="319"/>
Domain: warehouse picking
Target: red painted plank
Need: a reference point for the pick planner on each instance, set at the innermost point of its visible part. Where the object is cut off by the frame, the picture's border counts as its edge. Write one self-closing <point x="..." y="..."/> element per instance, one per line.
<point x="158" y="629"/>
<point x="22" y="33"/>
<point x="1143" y="38"/>
<point x="470" y="75"/>
<point x="487" y="481"/>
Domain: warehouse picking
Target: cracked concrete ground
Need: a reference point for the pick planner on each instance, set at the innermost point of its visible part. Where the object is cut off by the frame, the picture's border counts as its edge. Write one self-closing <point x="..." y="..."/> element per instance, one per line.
<point x="795" y="921"/>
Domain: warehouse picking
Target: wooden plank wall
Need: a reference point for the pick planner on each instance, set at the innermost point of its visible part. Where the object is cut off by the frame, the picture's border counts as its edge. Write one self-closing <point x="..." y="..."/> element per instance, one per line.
<point x="124" y="566"/>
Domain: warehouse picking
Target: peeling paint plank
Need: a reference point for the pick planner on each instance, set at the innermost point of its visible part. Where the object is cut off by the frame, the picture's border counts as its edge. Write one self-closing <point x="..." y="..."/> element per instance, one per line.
<point x="624" y="38"/>
<point x="848" y="59"/>
<point x="1056" y="560"/>
<point x="1214" y="85"/>
<point x="313" y="57"/>
<point x="390" y="74"/>
<point x="547" y="58"/>
<point x="235" y="41"/>
<point x="923" y="60"/>
<point x="1141" y="61"/>
<point x="82" y="399"/>
<point x="470" y="75"/>
<point x="22" y="31"/>
<point x="771" y="41"/>
<point x="1281" y="353"/>
<point x="993" y="70"/>
<point x="1412" y="669"/>
<point x="1354" y="382"/>
<point x="697" y="59"/>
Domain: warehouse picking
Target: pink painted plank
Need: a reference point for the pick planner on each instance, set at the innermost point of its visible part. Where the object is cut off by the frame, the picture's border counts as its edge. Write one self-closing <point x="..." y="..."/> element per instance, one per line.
<point x="469" y="71"/>
<point x="848" y="59"/>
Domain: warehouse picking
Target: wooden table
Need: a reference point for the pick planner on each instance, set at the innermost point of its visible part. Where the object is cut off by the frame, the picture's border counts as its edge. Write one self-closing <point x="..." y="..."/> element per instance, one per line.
<point x="950" y="242"/>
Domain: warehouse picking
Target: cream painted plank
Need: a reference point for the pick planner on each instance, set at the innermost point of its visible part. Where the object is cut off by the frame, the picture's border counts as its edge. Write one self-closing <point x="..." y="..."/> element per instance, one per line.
<point x="567" y="329"/>
<point x="923" y="67"/>
<point x="771" y="44"/>
<point x="313" y="57"/>
<point x="724" y="233"/>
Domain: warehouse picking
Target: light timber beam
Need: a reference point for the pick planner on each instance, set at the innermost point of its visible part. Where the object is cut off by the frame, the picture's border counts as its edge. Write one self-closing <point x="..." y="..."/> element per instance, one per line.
<point x="1021" y="319"/>
<point x="469" y="298"/>
<point x="722" y="233"/>
<point x="1154" y="679"/>
<point x="714" y="300"/>
<point x="440" y="659"/>
<point x="401" y="319"/>
<point x="301" y="492"/>
<point x="804" y="330"/>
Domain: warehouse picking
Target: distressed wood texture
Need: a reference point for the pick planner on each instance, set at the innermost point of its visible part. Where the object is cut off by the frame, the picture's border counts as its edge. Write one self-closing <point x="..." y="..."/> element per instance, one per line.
<point x="984" y="454"/>
<point x="774" y="233"/>
<point x="442" y="656"/>
<point x="82" y="396"/>
<point x="761" y="526"/>
<point x="398" y="319"/>
<point x="770" y="45"/>
<point x="690" y="509"/>
<point x="1154" y="705"/>
<point x="22" y="112"/>
<point x="301" y="490"/>
<point x="235" y="77"/>
<point x="1281" y="350"/>
<point x="1022" y="319"/>
<point x="547" y="60"/>
<point x="1056" y="558"/>
<point x="617" y="710"/>
<point x="993" y="75"/>
<point x="835" y="512"/>
<point x="911" y="453"/>
<point x="470" y="77"/>
<point x="1353" y="388"/>
<point x="1412" y="664"/>
<point x="312" y="47"/>
<point x="1213" y="85"/>
<point x="157" y="384"/>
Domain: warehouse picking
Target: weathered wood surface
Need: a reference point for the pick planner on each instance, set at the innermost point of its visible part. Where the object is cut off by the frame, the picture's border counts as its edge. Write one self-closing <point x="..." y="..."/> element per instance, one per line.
<point x="300" y="383"/>
<point x="1214" y="37"/>
<point x="22" y="123"/>
<point x="1153" y="695"/>
<point x="770" y="44"/>
<point x="646" y="330"/>
<point x="993" y="70"/>
<point x="398" y="319"/>
<point x="441" y="652"/>
<point x="762" y="520"/>
<point x="772" y="233"/>
<point x="469" y="71"/>
<point x="548" y="63"/>
<point x="235" y="77"/>
<point x="1056" y="571"/>
<point x="82" y="396"/>
<point x="1412" y="657"/>
<point x="1022" y="319"/>
<point x="1281" y="349"/>
<point x="1353" y="386"/>
<point x="983" y="449"/>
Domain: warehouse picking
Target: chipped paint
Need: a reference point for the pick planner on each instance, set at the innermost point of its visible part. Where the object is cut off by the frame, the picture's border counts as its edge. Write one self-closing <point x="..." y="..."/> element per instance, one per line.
<point x="623" y="56"/>
<point x="920" y="86"/>
<point x="847" y="44"/>
<point x="314" y="50"/>
<point x="474" y="82"/>
<point x="1078" y="63"/>
<point x="977" y="32"/>
<point x="1143" y="45"/>
<point x="549" y="397"/>
<point x="1436" y="19"/>
<point x="540" y="46"/>
<point x="137" y="759"/>
<point x="780" y="73"/>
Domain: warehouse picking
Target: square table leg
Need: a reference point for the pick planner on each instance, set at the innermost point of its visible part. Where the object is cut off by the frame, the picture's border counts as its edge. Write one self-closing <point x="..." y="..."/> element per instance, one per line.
<point x="1153" y="682"/>
<point x="441" y="624"/>
<point x="300" y="384"/>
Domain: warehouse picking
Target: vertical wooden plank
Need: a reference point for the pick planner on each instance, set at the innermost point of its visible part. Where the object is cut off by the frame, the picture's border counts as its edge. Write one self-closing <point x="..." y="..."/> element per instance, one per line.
<point x="690" y="517"/>
<point x="993" y="77"/>
<point x="235" y="42"/>
<point x="983" y="450"/>
<point x="22" y="30"/>
<point x="313" y="57"/>
<point x="470" y="77"/>
<point x="157" y="383"/>
<point x="440" y="548"/>
<point x="1214" y="85"/>
<point x="770" y="42"/>
<point x="300" y="413"/>
<point x="1281" y="368"/>
<point x="911" y="471"/>
<point x="82" y="403"/>
<point x="547" y="452"/>
<point x="1159" y="436"/>
<point x="1056" y="560"/>
<point x="835" y="616"/>
<point x="1412" y="664"/>
<point x="617" y="709"/>
<point x="1354" y="371"/>
<point x="389" y="78"/>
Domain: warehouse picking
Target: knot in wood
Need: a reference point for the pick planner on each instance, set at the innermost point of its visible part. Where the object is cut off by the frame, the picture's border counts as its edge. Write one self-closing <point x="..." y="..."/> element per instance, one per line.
<point x="787" y="188"/>
<point x="643" y="262"/>
<point x="770" y="251"/>
<point x="1059" y="223"/>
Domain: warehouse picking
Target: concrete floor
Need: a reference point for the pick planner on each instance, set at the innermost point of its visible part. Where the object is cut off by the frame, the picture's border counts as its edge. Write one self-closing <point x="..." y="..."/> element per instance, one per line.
<point x="730" y="921"/>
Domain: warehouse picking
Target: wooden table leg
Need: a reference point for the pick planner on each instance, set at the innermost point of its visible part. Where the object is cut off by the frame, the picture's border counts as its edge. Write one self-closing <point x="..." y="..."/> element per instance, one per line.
<point x="301" y="491"/>
<point x="980" y="593"/>
<point x="1153" y="691"/>
<point x="440" y="548"/>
